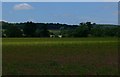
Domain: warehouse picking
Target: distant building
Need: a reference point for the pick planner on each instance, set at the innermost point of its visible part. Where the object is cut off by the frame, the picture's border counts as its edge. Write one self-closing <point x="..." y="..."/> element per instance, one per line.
<point x="21" y="30"/>
<point x="52" y="36"/>
<point x="60" y="36"/>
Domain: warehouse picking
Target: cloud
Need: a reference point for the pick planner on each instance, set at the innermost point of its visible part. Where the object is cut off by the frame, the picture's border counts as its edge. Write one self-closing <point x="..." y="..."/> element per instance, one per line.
<point x="23" y="6"/>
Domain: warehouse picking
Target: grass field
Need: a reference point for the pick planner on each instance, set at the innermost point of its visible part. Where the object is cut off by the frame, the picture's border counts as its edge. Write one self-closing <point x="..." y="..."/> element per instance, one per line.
<point x="55" y="56"/>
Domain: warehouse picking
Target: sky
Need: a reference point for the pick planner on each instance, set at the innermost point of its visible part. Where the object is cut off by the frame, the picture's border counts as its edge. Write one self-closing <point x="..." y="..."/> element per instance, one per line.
<point x="61" y="12"/>
<point x="61" y="0"/>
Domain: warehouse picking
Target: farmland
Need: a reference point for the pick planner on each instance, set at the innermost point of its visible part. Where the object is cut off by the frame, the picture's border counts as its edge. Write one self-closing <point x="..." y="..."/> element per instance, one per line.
<point x="60" y="56"/>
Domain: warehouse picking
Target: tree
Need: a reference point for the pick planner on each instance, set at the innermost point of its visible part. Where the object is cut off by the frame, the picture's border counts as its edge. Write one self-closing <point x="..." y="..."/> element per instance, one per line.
<point x="89" y="25"/>
<point x="81" y="31"/>
<point x="67" y="32"/>
<point x="42" y="32"/>
<point x="111" y="32"/>
<point x="13" y="31"/>
<point x="29" y="29"/>
<point x="97" y="31"/>
<point x="118" y="32"/>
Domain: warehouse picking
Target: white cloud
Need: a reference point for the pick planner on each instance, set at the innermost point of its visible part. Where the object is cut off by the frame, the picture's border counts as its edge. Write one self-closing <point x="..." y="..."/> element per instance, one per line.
<point x="23" y="6"/>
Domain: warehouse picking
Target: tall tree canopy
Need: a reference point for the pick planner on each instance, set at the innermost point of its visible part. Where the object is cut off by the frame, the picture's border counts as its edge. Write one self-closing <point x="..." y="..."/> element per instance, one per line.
<point x="29" y="29"/>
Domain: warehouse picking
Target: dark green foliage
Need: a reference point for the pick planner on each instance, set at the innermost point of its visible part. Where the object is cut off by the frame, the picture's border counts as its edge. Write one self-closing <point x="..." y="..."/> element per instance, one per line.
<point x="43" y="32"/>
<point x="118" y="31"/>
<point x="13" y="31"/>
<point x="67" y="32"/>
<point x="111" y="31"/>
<point x="100" y="31"/>
<point x="97" y="31"/>
<point x="90" y="26"/>
<point x="81" y="31"/>
<point x="29" y="29"/>
<point x="87" y="29"/>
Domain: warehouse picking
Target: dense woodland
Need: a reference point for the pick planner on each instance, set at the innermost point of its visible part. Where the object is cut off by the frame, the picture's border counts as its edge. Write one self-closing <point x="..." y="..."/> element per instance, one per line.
<point x="31" y="29"/>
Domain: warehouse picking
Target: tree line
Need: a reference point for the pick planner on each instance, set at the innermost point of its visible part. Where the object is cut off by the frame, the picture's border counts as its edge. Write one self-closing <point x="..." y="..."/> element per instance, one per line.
<point x="31" y="29"/>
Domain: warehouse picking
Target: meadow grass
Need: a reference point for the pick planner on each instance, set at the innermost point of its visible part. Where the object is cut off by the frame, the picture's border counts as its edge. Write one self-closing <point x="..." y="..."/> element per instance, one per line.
<point x="60" y="56"/>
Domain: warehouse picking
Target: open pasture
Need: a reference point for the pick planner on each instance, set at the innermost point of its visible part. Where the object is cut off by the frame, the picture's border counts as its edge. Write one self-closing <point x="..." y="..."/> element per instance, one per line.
<point x="60" y="56"/>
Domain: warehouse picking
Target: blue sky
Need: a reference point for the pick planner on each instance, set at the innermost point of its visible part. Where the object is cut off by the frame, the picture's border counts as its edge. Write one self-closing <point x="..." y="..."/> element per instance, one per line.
<point x="60" y="0"/>
<point x="61" y="12"/>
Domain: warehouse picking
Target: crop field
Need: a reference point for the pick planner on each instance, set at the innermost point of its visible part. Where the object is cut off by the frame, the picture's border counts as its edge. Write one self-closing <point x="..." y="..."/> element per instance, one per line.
<point x="60" y="56"/>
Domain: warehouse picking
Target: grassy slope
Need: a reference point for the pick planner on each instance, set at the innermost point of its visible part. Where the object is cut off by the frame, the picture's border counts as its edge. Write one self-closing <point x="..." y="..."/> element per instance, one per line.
<point x="83" y="56"/>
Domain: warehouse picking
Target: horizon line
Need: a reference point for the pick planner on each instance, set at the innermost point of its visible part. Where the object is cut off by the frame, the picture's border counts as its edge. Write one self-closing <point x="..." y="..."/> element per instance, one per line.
<point x="59" y="22"/>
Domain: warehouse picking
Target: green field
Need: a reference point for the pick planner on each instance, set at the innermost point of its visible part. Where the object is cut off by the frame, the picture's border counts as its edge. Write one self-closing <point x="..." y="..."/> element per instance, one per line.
<point x="55" y="56"/>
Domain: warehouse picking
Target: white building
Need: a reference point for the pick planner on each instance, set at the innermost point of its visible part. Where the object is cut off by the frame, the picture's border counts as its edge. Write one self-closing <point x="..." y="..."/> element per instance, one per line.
<point x="60" y="36"/>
